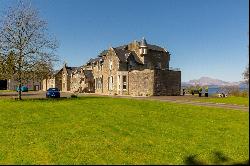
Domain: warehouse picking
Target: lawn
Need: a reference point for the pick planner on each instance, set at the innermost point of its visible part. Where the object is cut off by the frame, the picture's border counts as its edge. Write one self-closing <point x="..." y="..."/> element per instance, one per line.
<point x="227" y="100"/>
<point x="102" y="130"/>
<point x="7" y="91"/>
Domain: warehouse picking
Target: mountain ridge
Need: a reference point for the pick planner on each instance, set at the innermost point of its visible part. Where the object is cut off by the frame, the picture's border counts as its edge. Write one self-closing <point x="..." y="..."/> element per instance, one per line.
<point x="208" y="81"/>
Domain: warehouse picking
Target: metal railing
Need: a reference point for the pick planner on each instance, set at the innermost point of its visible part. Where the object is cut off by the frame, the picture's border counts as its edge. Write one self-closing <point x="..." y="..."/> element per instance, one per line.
<point x="174" y="69"/>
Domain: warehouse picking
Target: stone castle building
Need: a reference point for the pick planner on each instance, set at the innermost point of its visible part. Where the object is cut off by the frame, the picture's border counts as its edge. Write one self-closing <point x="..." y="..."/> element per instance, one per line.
<point x="137" y="69"/>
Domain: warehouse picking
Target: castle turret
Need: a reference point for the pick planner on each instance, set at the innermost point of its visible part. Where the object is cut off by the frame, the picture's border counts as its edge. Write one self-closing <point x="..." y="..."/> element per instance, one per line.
<point x="143" y="47"/>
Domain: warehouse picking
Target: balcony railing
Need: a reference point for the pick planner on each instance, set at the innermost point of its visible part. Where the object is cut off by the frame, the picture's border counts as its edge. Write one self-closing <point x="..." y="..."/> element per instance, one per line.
<point x="174" y="69"/>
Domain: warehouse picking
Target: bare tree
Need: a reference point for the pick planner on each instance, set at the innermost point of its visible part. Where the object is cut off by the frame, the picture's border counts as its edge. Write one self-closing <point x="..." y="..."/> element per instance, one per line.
<point x="25" y="34"/>
<point x="246" y="74"/>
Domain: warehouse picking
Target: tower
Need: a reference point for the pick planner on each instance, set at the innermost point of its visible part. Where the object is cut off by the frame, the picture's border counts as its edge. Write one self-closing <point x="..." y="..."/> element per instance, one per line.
<point x="143" y="47"/>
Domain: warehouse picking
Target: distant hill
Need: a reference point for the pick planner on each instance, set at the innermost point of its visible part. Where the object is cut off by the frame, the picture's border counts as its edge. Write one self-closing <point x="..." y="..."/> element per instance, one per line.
<point x="211" y="82"/>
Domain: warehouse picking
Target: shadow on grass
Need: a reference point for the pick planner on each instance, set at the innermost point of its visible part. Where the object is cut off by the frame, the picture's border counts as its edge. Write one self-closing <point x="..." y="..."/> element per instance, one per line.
<point x="218" y="158"/>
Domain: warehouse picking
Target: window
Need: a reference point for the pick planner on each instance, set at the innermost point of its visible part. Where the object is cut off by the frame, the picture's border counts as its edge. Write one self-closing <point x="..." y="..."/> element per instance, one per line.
<point x="167" y="66"/>
<point x="158" y="65"/>
<point x="124" y="82"/>
<point x="111" y="86"/>
<point x="95" y="82"/>
<point x="98" y="65"/>
<point x="143" y="51"/>
<point x="110" y="83"/>
<point x="131" y="63"/>
<point x="119" y="82"/>
<point x="110" y="65"/>
<point x="99" y="83"/>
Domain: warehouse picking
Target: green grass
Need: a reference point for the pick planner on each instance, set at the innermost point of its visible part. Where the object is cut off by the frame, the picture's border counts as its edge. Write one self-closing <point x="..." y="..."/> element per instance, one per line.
<point x="227" y="100"/>
<point x="102" y="130"/>
<point x="7" y="91"/>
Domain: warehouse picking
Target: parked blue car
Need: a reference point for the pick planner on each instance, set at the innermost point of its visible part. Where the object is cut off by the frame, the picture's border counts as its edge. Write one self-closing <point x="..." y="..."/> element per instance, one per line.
<point x="23" y="89"/>
<point x="53" y="93"/>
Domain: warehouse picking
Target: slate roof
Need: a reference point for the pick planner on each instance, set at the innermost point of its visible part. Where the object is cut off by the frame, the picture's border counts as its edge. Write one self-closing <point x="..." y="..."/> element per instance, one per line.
<point x="70" y="69"/>
<point x="154" y="47"/>
<point x="124" y="54"/>
<point x="94" y="60"/>
<point x="55" y="72"/>
<point x="103" y="53"/>
<point x="122" y="47"/>
<point x="150" y="46"/>
<point x="137" y="59"/>
<point x="121" y="54"/>
<point x="88" y="73"/>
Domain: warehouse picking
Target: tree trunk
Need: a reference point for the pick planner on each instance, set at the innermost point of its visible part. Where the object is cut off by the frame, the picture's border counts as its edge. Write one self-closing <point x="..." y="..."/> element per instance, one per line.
<point x="19" y="85"/>
<point x="19" y="90"/>
<point x="20" y="76"/>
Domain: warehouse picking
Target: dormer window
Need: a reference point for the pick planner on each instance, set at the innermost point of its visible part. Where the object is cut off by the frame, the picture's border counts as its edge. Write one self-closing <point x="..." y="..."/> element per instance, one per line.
<point x="143" y="51"/>
<point x="158" y="65"/>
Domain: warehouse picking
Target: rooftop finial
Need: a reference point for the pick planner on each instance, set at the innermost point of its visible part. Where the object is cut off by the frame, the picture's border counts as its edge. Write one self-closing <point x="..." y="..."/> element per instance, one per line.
<point x="65" y="64"/>
<point x="143" y="42"/>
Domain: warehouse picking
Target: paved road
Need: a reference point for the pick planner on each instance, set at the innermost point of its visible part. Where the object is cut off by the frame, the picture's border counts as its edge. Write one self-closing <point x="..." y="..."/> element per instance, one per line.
<point x="175" y="99"/>
<point x="189" y="100"/>
<point x="199" y="103"/>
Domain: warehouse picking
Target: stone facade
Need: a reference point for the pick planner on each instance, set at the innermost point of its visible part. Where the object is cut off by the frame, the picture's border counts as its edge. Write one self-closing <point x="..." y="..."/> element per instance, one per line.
<point x="141" y="83"/>
<point x="12" y="84"/>
<point x="60" y="79"/>
<point x="48" y="83"/>
<point x="167" y="82"/>
<point x="137" y="69"/>
<point x="82" y="81"/>
<point x="53" y="81"/>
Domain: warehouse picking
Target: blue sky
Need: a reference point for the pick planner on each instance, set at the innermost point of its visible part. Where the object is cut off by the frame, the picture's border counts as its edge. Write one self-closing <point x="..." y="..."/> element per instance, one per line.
<point x="205" y="37"/>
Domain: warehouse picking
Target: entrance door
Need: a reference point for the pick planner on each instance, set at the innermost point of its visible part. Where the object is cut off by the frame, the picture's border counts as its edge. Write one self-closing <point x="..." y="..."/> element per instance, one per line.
<point x="36" y="87"/>
<point x="3" y="84"/>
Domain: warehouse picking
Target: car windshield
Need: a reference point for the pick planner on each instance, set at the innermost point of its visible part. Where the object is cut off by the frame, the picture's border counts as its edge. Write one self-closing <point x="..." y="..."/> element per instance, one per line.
<point x="53" y="89"/>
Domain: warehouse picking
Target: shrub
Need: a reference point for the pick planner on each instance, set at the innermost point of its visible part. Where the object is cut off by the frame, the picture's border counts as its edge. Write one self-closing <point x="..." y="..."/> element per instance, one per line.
<point x="73" y="96"/>
<point x="200" y="89"/>
<point x="206" y="89"/>
<point x="234" y="91"/>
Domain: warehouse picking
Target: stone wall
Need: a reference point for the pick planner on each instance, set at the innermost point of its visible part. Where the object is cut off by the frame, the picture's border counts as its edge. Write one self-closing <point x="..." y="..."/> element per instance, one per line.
<point x="156" y="59"/>
<point x="167" y="83"/>
<point x="154" y="82"/>
<point x="12" y="84"/>
<point x="32" y="85"/>
<point x="79" y="83"/>
<point x="58" y="80"/>
<point x="48" y="83"/>
<point x="141" y="83"/>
